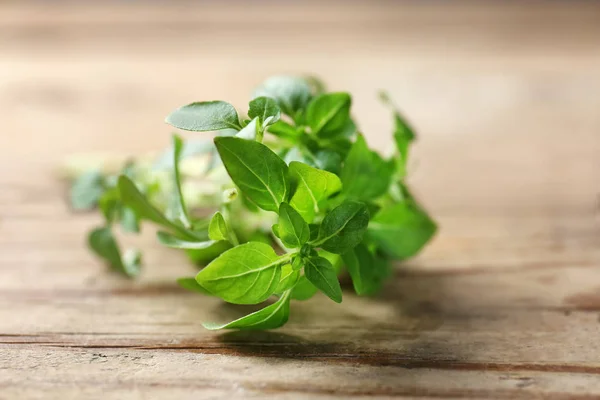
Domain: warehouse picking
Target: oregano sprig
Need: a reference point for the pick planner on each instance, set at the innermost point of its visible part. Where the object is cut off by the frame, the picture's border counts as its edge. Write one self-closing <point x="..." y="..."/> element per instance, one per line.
<point x="291" y="197"/>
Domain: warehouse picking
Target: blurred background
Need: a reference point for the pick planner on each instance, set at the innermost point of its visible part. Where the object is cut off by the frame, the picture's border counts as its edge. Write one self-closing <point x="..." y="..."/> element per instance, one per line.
<point x="504" y="95"/>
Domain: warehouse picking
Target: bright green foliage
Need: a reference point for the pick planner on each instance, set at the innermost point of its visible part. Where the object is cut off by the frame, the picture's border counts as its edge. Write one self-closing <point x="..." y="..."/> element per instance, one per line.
<point x="292" y="229"/>
<point x="291" y="93"/>
<point x="217" y="229"/>
<point x="285" y="131"/>
<point x="246" y="274"/>
<point x="367" y="271"/>
<point x="129" y="220"/>
<point x="401" y="230"/>
<point x="134" y="199"/>
<point x="289" y="278"/>
<point x="180" y="210"/>
<point x="334" y="205"/>
<point x="328" y="114"/>
<point x="259" y="172"/>
<point x="344" y="227"/>
<point x="312" y="189"/>
<point x="320" y="272"/>
<point x="365" y="175"/>
<point x="270" y="317"/>
<point x="205" y="116"/>
<point x="403" y="135"/>
<point x="169" y="240"/>
<point x="102" y="242"/>
<point x="265" y="109"/>
<point x="303" y="290"/>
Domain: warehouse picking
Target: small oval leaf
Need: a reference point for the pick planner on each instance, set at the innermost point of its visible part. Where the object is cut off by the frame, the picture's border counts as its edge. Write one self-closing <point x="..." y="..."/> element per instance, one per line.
<point x="292" y="229"/>
<point x="320" y="272"/>
<point x="270" y="317"/>
<point x="260" y="173"/>
<point x="343" y="228"/>
<point x="246" y="274"/>
<point x="217" y="229"/>
<point x="205" y="116"/>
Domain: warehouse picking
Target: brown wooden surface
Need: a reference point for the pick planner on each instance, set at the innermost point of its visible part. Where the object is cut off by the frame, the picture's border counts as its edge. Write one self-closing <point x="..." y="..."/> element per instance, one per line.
<point x="505" y="303"/>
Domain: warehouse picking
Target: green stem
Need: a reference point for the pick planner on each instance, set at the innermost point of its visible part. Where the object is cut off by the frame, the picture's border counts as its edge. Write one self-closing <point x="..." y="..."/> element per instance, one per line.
<point x="260" y="134"/>
<point x="285" y="258"/>
<point x="226" y="211"/>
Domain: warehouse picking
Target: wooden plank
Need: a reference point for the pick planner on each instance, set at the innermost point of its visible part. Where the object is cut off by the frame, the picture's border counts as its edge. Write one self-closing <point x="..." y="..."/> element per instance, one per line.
<point x="441" y="322"/>
<point x="113" y="373"/>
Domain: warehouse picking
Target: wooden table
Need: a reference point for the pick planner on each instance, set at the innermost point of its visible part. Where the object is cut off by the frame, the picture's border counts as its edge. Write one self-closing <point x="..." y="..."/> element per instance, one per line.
<point x="505" y="303"/>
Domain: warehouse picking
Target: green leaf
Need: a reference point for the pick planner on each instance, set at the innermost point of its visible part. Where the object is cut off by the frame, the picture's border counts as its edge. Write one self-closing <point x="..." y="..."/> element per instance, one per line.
<point x="129" y="221"/>
<point x="291" y="93"/>
<point x="314" y="231"/>
<point x="110" y="205"/>
<point x="285" y="131"/>
<point x="87" y="190"/>
<point x="132" y="197"/>
<point x="103" y="243"/>
<point x="313" y="187"/>
<point x="320" y="272"/>
<point x="191" y="285"/>
<point x="217" y="229"/>
<point x="297" y="263"/>
<point x="260" y="173"/>
<point x="330" y="161"/>
<point x="275" y="230"/>
<point x="202" y="257"/>
<point x="288" y="279"/>
<point x="367" y="274"/>
<point x="348" y="130"/>
<point x="329" y="113"/>
<point x="339" y="145"/>
<point x="303" y="290"/>
<point x="365" y="175"/>
<point x="257" y="235"/>
<point x="205" y="116"/>
<point x="334" y="259"/>
<point x="403" y="134"/>
<point x="299" y="155"/>
<point x="181" y="213"/>
<point x="344" y="227"/>
<point x="265" y="109"/>
<point x="169" y="240"/>
<point x="246" y="274"/>
<point x="401" y="230"/>
<point x="270" y="317"/>
<point x="292" y="229"/>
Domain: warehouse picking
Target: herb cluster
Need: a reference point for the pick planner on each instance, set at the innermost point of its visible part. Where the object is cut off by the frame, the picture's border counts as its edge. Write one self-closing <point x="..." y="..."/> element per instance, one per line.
<point x="304" y="198"/>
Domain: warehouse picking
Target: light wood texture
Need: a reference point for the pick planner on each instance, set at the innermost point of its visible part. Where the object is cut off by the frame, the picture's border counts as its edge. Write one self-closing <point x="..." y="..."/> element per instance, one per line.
<point x="505" y="303"/>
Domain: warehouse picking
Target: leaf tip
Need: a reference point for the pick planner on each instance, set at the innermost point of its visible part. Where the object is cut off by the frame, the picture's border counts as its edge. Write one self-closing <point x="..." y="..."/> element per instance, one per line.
<point x="212" y="326"/>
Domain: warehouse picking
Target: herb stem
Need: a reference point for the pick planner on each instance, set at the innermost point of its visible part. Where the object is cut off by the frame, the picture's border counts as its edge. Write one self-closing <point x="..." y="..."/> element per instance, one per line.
<point x="227" y="217"/>
<point x="260" y="133"/>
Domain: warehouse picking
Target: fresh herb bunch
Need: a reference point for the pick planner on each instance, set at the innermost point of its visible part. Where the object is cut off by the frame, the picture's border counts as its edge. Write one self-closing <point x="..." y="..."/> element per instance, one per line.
<point x="295" y="208"/>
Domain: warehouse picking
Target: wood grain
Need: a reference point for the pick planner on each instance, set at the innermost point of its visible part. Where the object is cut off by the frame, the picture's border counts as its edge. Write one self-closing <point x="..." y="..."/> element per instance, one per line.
<point x="505" y="303"/>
